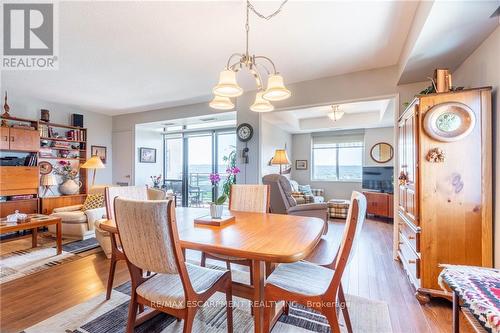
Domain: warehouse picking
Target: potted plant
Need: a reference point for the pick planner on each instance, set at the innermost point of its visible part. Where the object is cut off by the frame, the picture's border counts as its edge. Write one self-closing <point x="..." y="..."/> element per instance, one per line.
<point x="70" y="175"/>
<point x="156" y="181"/>
<point x="217" y="207"/>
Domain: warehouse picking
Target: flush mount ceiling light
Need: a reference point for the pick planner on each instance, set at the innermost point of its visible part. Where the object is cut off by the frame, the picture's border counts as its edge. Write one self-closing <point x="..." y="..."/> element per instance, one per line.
<point x="228" y="87"/>
<point x="336" y="113"/>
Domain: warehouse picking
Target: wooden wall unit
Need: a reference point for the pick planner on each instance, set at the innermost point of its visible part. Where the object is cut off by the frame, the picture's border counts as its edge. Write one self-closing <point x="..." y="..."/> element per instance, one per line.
<point x="379" y="204"/>
<point x="444" y="208"/>
<point x="48" y="204"/>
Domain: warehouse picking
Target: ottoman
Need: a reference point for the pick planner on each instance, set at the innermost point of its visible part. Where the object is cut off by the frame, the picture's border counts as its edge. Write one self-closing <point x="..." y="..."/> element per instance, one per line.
<point x="338" y="208"/>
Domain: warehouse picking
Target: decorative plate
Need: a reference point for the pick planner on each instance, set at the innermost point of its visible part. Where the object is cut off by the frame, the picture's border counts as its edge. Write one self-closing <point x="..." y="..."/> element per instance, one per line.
<point x="45" y="167"/>
<point x="451" y="121"/>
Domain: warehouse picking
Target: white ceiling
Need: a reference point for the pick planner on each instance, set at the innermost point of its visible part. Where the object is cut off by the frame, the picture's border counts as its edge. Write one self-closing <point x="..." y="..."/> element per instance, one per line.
<point x="224" y="117"/>
<point x="120" y="57"/>
<point x="452" y="31"/>
<point x="364" y="114"/>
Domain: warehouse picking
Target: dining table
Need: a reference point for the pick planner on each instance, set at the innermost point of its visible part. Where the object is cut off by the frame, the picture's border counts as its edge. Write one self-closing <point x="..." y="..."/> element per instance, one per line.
<point x="261" y="237"/>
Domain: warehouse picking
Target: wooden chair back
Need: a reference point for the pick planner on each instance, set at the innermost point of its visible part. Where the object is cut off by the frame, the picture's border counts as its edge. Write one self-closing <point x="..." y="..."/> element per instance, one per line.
<point x="354" y="224"/>
<point x="129" y="192"/>
<point x="249" y="198"/>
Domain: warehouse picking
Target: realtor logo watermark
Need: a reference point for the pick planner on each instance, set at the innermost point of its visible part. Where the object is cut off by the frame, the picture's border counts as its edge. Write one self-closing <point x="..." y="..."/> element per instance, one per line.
<point x="30" y="36"/>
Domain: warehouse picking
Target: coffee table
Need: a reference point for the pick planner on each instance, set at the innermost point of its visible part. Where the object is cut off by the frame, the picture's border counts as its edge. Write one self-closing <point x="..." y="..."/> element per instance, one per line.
<point x="37" y="220"/>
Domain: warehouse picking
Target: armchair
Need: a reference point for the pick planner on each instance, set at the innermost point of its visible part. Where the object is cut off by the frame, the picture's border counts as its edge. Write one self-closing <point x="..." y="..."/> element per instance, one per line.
<point x="78" y="223"/>
<point x="283" y="202"/>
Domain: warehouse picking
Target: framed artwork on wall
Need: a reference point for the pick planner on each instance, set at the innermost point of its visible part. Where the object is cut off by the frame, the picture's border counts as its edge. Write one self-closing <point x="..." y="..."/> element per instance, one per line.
<point x="100" y="151"/>
<point x="147" y="155"/>
<point x="300" y="164"/>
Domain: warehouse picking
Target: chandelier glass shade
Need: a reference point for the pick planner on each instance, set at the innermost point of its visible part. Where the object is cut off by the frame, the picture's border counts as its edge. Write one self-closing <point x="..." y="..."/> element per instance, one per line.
<point x="221" y="103"/>
<point x="228" y="87"/>
<point x="260" y="104"/>
<point x="336" y="113"/>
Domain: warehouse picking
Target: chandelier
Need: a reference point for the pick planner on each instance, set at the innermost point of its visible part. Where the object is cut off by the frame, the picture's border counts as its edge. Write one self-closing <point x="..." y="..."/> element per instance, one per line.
<point x="336" y="113"/>
<point x="228" y="88"/>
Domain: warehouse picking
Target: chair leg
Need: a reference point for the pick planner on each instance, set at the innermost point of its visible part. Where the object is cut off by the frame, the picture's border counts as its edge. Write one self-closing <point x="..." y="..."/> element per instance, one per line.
<point x="228" y="265"/>
<point x="229" y="307"/>
<point x="345" y="311"/>
<point x="111" y="277"/>
<point x="189" y="319"/>
<point x="268" y="311"/>
<point x="132" y="313"/>
<point x="203" y="259"/>
<point x="286" y="308"/>
<point x="331" y="314"/>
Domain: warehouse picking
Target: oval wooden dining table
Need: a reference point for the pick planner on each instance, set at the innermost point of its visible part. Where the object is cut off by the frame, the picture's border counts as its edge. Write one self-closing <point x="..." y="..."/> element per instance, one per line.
<point x="261" y="237"/>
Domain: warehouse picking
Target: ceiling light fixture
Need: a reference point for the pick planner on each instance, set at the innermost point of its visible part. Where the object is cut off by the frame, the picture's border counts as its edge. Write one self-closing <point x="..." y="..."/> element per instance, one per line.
<point x="336" y="113"/>
<point x="228" y="87"/>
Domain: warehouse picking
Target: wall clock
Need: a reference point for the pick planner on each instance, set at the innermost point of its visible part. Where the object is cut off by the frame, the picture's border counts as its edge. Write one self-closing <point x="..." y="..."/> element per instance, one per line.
<point x="451" y="121"/>
<point x="244" y="132"/>
<point x="45" y="167"/>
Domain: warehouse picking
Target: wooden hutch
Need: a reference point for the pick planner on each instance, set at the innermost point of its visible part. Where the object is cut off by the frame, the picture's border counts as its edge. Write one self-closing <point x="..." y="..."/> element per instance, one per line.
<point x="444" y="210"/>
<point x="36" y="142"/>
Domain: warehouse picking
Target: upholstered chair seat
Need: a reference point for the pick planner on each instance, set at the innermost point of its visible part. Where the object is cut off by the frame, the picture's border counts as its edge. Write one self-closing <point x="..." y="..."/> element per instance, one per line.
<point x="302" y="277"/>
<point x="154" y="289"/>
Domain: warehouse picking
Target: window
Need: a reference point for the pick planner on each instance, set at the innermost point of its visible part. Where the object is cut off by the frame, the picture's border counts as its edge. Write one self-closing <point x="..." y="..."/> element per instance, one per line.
<point x="337" y="158"/>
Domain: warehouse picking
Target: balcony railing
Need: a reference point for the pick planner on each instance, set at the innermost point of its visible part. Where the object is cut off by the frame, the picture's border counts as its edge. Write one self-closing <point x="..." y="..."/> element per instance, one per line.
<point x="199" y="190"/>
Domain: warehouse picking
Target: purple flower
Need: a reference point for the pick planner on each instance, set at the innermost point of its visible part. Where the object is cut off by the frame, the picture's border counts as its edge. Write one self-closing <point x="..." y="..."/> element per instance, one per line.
<point x="214" y="178"/>
<point x="233" y="170"/>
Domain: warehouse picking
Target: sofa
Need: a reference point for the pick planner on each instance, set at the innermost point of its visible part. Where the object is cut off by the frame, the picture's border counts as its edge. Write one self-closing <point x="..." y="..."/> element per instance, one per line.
<point x="304" y="194"/>
<point x="77" y="223"/>
<point x="283" y="202"/>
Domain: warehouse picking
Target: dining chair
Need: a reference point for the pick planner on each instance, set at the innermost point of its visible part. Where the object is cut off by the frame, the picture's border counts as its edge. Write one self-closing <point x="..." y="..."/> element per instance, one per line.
<point x="110" y="193"/>
<point x="313" y="285"/>
<point x="243" y="198"/>
<point x="150" y="241"/>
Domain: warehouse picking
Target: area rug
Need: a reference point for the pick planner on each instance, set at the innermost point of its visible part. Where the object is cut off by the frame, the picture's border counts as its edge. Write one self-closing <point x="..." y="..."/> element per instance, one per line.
<point x="100" y="316"/>
<point x="17" y="264"/>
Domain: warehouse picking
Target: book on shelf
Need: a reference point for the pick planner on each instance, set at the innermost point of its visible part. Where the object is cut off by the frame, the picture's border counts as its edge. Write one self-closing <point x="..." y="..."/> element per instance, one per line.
<point x="31" y="160"/>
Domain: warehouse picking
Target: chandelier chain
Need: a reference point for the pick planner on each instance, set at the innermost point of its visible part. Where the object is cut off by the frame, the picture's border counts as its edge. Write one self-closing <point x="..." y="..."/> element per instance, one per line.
<point x="266" y="17"/>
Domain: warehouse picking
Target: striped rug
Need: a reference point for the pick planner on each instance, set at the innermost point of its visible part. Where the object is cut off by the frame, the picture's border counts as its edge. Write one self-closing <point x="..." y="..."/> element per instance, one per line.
<point x="100" y="316"/>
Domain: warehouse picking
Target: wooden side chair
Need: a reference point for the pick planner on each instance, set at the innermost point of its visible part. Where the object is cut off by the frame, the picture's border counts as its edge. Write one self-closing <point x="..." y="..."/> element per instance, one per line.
<point x="243" y="198"/>
<point x="150" y="241"/>
<point x="313" y="285"/>
<point x="129" y="192"/>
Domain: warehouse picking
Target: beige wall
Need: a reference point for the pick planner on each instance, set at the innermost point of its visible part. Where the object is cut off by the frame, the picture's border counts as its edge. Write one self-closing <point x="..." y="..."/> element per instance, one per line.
<point x="482" y="68"/>
<point x="273" y="138"/>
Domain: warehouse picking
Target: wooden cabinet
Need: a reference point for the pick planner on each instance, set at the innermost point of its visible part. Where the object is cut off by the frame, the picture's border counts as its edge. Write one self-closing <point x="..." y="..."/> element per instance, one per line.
<point x="29" y="206"/>
<point x="444" y="208"/>
<point x="47" y="204"/>
<point x="379" y="204"/>
<point x="19" y="139"/>
<point x="17" y="180"/>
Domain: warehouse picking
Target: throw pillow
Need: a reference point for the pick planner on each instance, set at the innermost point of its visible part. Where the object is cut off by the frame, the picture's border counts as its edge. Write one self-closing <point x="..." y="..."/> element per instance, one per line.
<point x="93" y="201"/>
<point x="306" y="189"/>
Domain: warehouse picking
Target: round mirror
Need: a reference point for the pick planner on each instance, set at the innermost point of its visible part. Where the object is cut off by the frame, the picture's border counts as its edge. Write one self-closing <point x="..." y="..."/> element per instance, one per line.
<point x="382" y="152"/>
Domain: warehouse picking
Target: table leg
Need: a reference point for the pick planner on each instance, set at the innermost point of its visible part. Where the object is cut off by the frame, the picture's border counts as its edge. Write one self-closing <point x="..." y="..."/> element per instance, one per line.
<point x="258" y="277"/>
<point x="34" y="235"/>
<point x="59" y="237"/>
<point x="456" y="313"/>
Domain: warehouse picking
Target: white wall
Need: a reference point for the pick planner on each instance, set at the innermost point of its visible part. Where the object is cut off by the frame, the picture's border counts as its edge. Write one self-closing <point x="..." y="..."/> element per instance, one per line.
<point x="99" y="126"/>
<point x="143" y="171"/>
<point x="482" y="68"/>
<point x="302" y="144"/>
<point x="273" y="138"/>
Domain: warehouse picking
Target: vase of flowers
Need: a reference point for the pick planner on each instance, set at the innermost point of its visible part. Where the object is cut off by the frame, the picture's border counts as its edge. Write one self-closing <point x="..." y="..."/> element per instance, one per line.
<point x="156" y="181"/>
<point x="217" y="207"/>
<point x="70" y="184"/>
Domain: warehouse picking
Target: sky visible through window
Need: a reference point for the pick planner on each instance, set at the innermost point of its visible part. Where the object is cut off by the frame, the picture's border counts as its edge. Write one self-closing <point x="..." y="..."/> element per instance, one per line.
<point x="340" y="161"/>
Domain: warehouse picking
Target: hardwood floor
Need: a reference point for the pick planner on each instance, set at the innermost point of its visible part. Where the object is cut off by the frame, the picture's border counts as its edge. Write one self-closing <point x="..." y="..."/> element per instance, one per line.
<point x="372" y="274"/>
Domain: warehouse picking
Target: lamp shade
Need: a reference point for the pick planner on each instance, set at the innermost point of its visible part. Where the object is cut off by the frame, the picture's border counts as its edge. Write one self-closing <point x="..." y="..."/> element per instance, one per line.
<point x="260" y="104"/>
<point x="280" y="157"/>
<point x="94" y="162"/>
<point x="221" y="103"/>
<point x="227" y="86"/>
<point x="276" y="90"/>
<point x="48" y="180"/>
<point x="336" y="115"/>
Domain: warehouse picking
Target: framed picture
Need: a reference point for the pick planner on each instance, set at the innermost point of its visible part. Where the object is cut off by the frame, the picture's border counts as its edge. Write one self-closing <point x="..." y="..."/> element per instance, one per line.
<point x="147" y="155"/>
<point x="99" y="151"/>
<point x="300" y="164"/>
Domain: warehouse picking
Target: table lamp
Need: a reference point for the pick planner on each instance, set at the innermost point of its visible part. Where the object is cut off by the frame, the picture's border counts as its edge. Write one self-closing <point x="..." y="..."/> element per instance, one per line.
<point x="94" y="162"/>
<point x="280" y="157"/>
<point x="47" y="181"/>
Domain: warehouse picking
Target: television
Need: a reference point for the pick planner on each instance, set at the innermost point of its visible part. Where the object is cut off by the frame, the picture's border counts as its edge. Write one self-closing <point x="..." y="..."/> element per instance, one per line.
<point x="378" y="179"/>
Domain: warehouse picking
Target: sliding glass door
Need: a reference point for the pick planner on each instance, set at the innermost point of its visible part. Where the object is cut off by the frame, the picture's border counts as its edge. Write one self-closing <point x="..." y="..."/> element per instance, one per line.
<point x="190" y="157"/>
